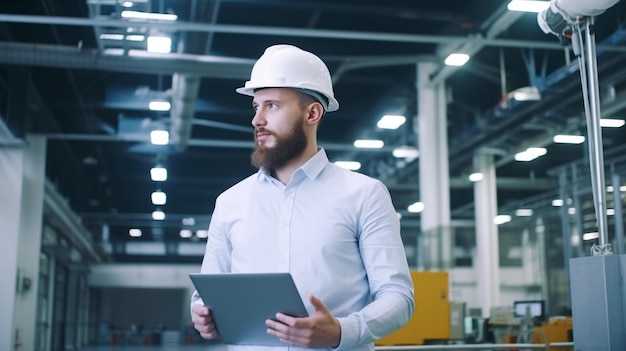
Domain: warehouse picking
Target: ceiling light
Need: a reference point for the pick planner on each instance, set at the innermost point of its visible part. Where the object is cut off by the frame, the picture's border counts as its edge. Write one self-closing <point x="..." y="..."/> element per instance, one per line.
<point x="569" y="139"/>
<point x="528" y="5"/>
<point x="524" y="212"/>
<point x="530" y="154"/>
<point x="149" y="16"/>
<point x="159" y="137"/>
<point x="456" y="59"/>
<point x="135" y="37"/>
<point x="557" y="202"/>
<point x="185" y="233"/>
<point x="501" y="219"/>
<point x="109" y="36"/>
<point x="189" y="221"/>
<point x="202" y="233"/>
<point x="610" y="212"/>
<point x="127" y="4"/>
<point x="368" y="144"/>
<point x="622" y="188"/>
<point x="475" y="177"/>
<point x="160" y="44"/>
<point x="407" y="152"/>
<point x="135" y="233"/>
<point x="159" y="198"/>
<point x="526" y="94"/>
<point x="611" y="122"/>
<point x="416" y="207"/>
<point x="590" y="236"/>
<point x="158" y="174"/>
<point x="159" y="105"/>
<point x="350" y="165"/>
<point x="158" y="215"/>
<point x="571" y="210"/>
<point x="391" y="122"/>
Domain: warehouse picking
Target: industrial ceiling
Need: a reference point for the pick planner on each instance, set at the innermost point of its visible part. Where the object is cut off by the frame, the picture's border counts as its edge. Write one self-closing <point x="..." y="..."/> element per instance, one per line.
<point x="77" y="72"/>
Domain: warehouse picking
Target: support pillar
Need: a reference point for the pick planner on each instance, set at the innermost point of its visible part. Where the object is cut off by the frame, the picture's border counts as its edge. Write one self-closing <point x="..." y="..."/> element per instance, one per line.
<point x="487" y="260"/>
<point x="434" y="176"/>
<point x="11" y="166"/>
<point x="22" y="171"/>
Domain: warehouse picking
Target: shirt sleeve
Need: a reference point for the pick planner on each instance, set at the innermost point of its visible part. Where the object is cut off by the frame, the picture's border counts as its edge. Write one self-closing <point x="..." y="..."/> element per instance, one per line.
<point x="384" y="259"/>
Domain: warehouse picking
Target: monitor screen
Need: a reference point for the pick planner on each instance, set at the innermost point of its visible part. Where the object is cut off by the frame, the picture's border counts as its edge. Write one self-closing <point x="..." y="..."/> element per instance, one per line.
<point x="535" y="308"/>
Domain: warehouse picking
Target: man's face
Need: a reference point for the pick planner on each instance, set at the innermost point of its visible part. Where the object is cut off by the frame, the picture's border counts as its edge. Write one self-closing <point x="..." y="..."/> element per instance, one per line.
<point x="279" y="127"/>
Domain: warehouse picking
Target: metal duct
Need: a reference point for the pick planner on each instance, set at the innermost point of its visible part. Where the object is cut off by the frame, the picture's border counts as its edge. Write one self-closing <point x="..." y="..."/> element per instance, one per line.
<point x="148" y="63"/>
<point x="184" y="93"/>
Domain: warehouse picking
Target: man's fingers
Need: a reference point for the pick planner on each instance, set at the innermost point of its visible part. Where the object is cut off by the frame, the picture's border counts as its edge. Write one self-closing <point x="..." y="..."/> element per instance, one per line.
<point x="318" y="304"/>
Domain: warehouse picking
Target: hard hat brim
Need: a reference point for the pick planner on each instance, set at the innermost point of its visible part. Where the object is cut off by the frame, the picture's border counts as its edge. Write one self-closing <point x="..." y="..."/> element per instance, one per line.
<point x="333" y="104"/>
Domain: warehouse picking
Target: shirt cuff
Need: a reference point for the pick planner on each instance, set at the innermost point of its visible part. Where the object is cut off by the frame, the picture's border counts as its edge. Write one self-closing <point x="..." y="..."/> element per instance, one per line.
<point x="349" y="334"/>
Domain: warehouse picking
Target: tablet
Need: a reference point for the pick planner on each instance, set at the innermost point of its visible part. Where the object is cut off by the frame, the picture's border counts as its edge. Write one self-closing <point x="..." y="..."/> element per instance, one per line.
<point x="241" y="302"/>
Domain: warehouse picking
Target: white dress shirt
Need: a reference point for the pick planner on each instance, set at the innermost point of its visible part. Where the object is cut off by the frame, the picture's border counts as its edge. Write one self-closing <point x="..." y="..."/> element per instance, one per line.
<point x="337" y="233"/>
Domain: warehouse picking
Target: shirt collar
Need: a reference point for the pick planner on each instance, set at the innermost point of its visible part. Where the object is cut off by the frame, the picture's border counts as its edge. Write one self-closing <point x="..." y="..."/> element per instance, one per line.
<point x="312" y="168"/>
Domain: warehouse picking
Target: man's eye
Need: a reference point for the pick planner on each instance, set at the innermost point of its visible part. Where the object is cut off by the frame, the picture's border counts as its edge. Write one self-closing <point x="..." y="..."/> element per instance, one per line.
<point x="273" y="105"/>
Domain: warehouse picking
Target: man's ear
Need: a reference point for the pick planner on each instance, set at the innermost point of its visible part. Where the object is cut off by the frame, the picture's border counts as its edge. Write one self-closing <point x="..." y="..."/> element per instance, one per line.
<point x="316" y="111"/>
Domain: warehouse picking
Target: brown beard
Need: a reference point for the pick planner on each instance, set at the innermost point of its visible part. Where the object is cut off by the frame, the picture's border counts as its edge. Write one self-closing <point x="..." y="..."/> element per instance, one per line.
<point x="288" y="147"/>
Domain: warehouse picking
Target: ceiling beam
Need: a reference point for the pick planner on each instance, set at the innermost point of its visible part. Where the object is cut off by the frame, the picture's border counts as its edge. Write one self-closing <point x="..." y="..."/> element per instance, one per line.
<point x="293" y="32"/>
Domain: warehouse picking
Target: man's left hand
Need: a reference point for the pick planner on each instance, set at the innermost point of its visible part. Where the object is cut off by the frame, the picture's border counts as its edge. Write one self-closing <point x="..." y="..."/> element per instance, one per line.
<point x="321" y="329"/>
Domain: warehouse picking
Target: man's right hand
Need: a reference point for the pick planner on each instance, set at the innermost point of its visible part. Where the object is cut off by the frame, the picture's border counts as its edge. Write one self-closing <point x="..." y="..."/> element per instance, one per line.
<point x="203" y="322"/>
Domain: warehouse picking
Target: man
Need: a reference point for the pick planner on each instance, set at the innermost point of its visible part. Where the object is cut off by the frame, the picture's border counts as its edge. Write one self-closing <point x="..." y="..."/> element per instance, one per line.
<point x="334" y="230"/>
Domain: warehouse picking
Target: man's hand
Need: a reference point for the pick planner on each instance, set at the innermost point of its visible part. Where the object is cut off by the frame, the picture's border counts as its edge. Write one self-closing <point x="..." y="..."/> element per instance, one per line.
<point x="320" y="330"/>
<point x="203" y="322"/>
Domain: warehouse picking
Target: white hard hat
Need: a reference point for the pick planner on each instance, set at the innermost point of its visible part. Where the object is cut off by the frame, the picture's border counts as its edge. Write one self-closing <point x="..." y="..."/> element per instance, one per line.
<point x="287" y="66"/>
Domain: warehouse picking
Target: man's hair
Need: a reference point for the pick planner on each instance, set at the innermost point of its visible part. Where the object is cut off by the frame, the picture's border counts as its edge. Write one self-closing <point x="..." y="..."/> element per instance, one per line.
<point x="306" y="99"/>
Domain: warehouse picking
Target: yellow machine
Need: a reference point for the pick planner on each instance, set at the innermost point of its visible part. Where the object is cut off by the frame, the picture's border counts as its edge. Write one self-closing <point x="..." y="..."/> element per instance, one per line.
<point x="431" y="320"/>
<point x="556" y="330"/>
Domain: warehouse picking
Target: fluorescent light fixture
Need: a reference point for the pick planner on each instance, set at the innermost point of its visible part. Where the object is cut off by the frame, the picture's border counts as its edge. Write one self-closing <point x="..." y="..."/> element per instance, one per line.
<point x="456" y="59"/>
<point x="591" y="236"/>
<point x="113" y="51"/>
<point x="571" y="210"/>
<point x="475" y="177"/>
<point x="135" y="37"/>
<point x="202" y="233"/>
<point x="526" y="94"/>
<point x="127" y="4"/>
<point x="350" y="165"/>
<point x="391" y="122"/>
<point x="135" y="233"/>
<point x="407" y="152"/>
<point x="530" y="154"/>
<point x="568" y="139"/>
<point x="159" y="137"/>
<point x="557" y="202"/>
<point x="158" y="174"/>
<point x="149" y="15"/>
<point x="368" y="144"/>
<point x="161" y="45"/>
<point x="185" y="233"/>
<point x="158" y="215"/>
<point x="610" y="212"/>
<point x="501" y="219"/>
<point x="159" y="198"/>
<point x="416" y="207"/>
<point x="110" y="36"/>
<point x="528" y="5"/>
<point x="611" y="122"/>
<point x="524" y="212"/>
<point x="622" y="188"/>
<point x="157" y="105"/>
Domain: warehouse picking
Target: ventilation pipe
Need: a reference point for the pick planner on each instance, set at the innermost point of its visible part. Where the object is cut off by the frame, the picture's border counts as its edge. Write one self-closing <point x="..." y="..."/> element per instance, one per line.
<point x="184" y="94"/>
